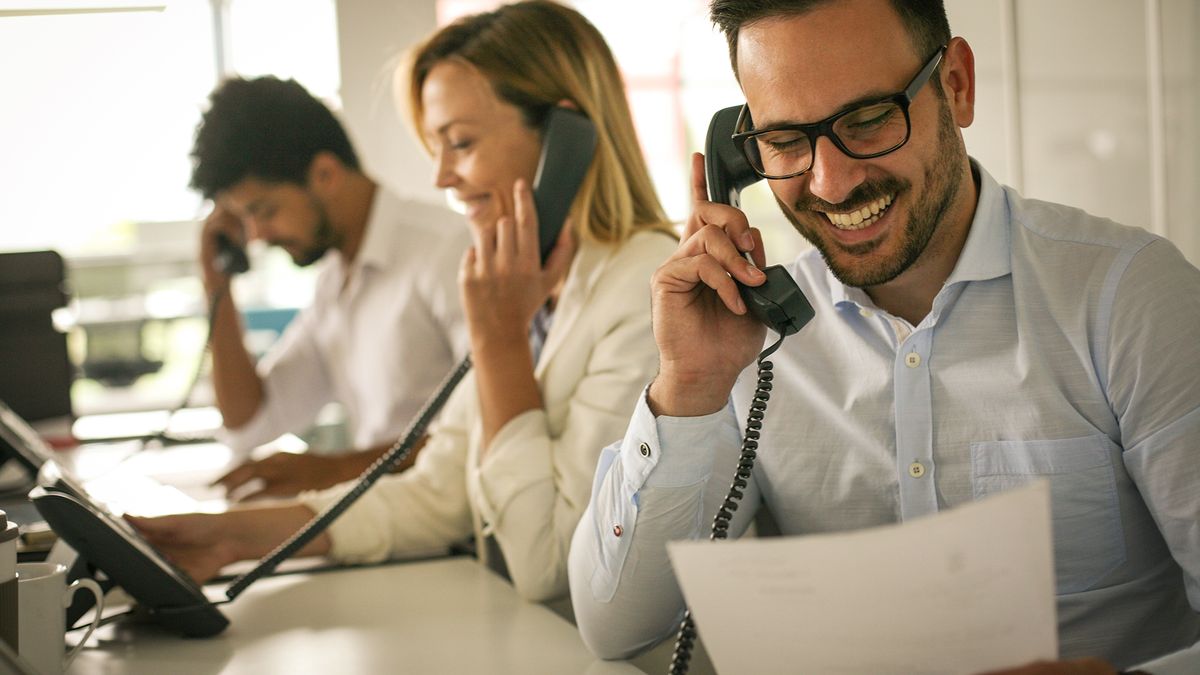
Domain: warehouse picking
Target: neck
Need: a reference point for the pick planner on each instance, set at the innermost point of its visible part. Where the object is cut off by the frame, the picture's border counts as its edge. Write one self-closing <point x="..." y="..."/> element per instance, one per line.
<point x="910" y="295"/>
<point x="350" y="211"/>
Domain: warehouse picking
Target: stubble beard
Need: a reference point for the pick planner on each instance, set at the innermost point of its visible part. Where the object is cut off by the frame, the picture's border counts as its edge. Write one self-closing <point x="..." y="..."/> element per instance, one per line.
<point x="324" y="237"/>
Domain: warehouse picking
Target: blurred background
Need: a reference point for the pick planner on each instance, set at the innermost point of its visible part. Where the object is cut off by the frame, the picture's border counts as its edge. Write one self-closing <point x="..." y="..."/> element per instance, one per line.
<point x="1094" y="103"/>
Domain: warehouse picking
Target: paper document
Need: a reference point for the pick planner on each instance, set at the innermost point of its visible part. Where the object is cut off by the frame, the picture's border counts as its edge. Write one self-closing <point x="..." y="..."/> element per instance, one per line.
<point x="963" y="591"/>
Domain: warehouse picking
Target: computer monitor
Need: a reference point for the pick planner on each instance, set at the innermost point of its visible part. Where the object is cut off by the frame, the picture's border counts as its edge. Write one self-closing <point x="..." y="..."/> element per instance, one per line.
<point x="35" y="370"/>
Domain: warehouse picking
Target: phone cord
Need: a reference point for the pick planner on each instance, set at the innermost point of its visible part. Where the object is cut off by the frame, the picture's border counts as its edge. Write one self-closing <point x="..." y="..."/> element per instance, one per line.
<point x="161" y="437"/>
<point x="382" y="466"/>
<point x="686" y="640"/>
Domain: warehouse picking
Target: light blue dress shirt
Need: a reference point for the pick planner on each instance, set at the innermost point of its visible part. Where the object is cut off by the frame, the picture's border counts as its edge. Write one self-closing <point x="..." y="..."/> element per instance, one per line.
<point x="1063" y="346"/>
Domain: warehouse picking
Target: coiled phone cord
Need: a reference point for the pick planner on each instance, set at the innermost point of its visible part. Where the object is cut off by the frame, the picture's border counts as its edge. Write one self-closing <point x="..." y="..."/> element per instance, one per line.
<point x="685" y="642"/>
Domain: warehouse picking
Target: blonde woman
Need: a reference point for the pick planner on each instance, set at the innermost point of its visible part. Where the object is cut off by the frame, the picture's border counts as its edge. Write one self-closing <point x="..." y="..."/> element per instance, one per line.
<point x="560" y="352"/>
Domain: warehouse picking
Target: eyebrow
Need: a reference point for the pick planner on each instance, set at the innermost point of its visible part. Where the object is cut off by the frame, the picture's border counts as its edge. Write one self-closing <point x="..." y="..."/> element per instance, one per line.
<point x="873" y="97"/>
<point x="443" y="128"/>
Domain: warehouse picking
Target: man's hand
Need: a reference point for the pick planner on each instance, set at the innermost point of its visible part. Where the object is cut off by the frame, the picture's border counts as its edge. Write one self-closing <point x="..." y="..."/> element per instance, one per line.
<point x="220" y="222"/>
<point x="1074" y="667"/>
<point x="705" y="337"/>
<point x="198" y="543"/>
<point x="286" y="473"/>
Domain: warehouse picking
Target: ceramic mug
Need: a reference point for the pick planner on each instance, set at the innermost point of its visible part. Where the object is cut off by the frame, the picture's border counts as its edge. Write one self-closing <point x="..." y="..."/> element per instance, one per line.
<point x="43" y="597"/>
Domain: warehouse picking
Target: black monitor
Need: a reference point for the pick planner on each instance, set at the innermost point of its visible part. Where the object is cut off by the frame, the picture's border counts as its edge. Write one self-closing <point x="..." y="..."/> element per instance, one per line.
<point x="35" y="370"/>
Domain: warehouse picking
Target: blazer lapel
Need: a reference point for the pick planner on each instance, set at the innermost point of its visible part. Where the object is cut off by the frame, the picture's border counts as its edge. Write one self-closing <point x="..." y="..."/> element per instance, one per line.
<point x="589" y="264"/>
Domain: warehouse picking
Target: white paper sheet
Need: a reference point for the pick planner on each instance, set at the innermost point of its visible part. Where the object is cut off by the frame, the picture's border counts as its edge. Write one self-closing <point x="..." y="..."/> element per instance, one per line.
<point x="967" y="590"/>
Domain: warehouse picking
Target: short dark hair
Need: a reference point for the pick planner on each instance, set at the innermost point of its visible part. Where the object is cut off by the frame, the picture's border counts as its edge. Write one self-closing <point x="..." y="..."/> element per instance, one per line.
<point x="925" y="20"/>
<point x="264" y="128"/>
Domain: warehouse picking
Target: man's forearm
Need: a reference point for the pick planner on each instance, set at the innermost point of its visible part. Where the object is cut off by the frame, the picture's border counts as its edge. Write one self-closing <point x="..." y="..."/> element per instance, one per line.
<point x="238" y="389"/>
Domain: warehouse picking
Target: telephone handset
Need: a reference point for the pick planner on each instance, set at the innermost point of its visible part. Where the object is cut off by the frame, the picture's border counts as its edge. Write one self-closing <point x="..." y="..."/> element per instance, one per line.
<point x="230" y="258"/>
<point x="568" y="145"/>
<point x="777" y="302"/>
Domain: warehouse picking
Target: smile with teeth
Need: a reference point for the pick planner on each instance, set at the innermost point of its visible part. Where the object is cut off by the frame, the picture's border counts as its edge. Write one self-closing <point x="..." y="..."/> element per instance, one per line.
<point x="862" y="218"/>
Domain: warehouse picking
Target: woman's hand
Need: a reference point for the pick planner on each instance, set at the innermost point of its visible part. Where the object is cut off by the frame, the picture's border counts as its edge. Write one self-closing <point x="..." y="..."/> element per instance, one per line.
<point x="503" y="283"/>
<point x="202" y="543"/>
<point x="198" y="543"/>
<point x="502" y="280"/>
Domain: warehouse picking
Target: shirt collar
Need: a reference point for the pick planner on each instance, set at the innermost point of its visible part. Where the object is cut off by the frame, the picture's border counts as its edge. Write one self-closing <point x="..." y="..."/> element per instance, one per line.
<point x="985" y="255"/>
<point x="376" y="250"/>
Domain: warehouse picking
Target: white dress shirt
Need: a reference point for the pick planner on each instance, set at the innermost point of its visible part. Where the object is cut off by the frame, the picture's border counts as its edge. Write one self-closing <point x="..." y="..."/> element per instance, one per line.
<point x="530" y="488"/>
<point x="1062" y="346"/>
<point x="379" y="336"/>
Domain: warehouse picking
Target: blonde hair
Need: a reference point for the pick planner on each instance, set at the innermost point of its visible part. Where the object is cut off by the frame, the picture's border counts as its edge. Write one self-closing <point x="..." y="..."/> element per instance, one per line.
<point x="536" y="54"/>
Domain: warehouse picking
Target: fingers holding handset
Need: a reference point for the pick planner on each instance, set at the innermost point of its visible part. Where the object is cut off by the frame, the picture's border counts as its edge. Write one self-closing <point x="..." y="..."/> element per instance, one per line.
<point x="721" y="236"/>
<point x="503" y="281"/>
<point x="220" y="224"/>
<point x="704" y="333"/>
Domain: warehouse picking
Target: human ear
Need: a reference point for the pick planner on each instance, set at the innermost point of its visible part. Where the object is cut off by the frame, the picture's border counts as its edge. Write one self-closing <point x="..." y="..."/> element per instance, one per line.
<point x="325" y="173"/>
<point x="958" y="81"/>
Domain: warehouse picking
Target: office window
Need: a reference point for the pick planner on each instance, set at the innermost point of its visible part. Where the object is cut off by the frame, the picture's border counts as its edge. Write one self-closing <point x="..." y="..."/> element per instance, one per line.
<point x="98" y="120"/>
<point x="100" y="110"/>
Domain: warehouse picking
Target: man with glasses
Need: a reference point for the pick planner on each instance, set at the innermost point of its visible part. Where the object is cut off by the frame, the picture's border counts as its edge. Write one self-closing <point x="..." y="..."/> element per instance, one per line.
<point x="966" y="341"/>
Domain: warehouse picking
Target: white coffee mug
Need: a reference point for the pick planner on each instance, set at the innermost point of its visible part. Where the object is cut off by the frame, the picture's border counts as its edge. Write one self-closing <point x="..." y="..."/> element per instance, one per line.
<point x="43" y="597"/>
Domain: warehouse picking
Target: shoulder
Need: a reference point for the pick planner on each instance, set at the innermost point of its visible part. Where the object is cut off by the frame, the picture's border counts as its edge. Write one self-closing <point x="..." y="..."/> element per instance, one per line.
<point x="414" y="221"/>
<point x="646" y="247"/>
<point x="1051" y="228"/>
<point x="420" y="235"/>
<point x="1072" y="246"/>
<point x="633" y="261"/>
<point x="617" y="276"/>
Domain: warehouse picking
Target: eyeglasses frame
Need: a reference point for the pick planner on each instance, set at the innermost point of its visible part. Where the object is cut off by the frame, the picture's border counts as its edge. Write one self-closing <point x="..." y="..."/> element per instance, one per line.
<point x="816" y="130"/>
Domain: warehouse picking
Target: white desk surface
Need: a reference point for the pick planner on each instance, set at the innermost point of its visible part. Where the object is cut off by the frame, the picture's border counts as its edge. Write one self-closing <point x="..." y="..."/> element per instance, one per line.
<point x="442" y="616"/>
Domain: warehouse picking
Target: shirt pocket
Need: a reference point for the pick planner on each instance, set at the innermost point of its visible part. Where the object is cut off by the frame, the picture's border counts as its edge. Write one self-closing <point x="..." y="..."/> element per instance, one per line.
<point x="1089" y="540"/>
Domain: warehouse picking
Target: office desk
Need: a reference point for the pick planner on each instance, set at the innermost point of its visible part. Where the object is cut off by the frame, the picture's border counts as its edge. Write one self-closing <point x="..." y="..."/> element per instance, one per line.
<point x="443" y="616"/>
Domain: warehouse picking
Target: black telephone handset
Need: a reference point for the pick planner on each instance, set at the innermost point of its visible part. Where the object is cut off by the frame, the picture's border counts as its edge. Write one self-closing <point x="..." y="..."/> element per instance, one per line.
<point x="568" y="145"/>
<point x="230" y="258"/>
<point x="777" y="302"/>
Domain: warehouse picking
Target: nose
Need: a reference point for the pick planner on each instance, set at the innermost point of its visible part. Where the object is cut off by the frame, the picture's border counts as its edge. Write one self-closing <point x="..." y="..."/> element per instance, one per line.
<point x="834" y="175"/>
<point x="254" y="228"/>
<point x="443" y="171"/>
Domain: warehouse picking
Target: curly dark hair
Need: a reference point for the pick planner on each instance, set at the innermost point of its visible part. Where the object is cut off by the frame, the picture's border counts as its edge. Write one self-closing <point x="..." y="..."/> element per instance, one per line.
<point x="264" y="128"/>
<point x="925" y="20"/>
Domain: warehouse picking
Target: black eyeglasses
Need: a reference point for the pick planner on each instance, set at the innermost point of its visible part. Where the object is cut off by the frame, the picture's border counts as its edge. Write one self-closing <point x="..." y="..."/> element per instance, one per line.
<point x="869" y="130"/>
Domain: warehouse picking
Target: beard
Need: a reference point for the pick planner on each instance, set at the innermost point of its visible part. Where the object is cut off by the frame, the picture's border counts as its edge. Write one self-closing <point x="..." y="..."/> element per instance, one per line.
<point x="942" y="180"/>
<point x="324" y="237"/>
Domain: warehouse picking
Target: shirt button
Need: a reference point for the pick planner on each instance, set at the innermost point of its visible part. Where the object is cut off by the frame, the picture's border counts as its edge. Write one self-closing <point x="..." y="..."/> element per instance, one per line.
<point x="866" y="313"/>
<point x="916" y="469"/>
<point x="644" y="449"/>
<point x="617" y="530"/>
<point x="912" y="359"/>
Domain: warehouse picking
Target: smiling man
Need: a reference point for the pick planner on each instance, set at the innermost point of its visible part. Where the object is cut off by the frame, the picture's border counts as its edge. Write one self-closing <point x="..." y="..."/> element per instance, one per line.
<point x="385" y="325"/>
<point x="966" y="341"/>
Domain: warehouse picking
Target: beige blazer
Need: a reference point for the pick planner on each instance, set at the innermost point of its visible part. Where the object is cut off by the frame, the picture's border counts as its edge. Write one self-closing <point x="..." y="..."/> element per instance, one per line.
<point x="534" y="483"/>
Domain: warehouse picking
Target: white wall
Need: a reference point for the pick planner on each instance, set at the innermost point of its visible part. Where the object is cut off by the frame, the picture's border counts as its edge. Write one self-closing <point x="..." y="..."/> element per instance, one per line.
<point x="1072" y="117"/>
<point x="370" y="34"/>
<point x="1067" y="115"/>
